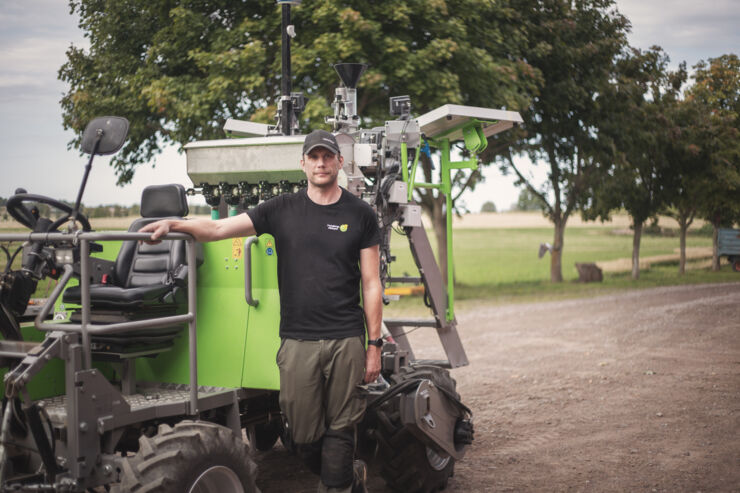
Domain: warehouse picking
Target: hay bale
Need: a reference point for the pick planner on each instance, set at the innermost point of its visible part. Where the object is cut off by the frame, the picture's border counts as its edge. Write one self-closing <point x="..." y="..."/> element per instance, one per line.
<point x="589" y="272"/>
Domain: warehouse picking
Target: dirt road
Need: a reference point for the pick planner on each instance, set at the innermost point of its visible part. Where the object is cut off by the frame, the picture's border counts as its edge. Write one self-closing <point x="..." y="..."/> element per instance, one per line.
<point x="638" y="391"/>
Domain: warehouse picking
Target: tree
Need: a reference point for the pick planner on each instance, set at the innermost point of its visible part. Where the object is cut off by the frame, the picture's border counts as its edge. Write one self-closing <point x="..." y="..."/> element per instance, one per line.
<point x="488" y="207"/>
<point x="635" y="168"/>
<point x="690" y="162"/>
<point x="573" y="44"/>
<point x="528" y="201"/>
<point x="717" y="88"/>
<point x="178" y="71"/>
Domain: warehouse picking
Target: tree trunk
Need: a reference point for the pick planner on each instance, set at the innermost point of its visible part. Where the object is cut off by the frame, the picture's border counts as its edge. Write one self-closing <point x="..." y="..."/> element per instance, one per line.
<point x="556" y="259"/>
<point x="683" y="225"/>
<point x="715" y="246"/>
<point x="637" y="235"/>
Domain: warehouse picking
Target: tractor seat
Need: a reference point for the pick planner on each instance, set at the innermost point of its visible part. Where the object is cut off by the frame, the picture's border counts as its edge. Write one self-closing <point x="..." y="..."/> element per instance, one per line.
<point x="148" y="281"/>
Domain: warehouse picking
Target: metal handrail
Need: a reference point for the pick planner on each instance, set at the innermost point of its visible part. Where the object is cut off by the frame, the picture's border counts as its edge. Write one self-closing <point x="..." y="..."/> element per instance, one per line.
<point x="86" y="329"/>
<point x="248" y="243"/>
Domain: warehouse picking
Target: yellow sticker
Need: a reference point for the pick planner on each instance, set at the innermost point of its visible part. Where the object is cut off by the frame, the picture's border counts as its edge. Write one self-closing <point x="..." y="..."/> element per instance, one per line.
<point x="236" y="248"/>
<point x="269" y="243"/>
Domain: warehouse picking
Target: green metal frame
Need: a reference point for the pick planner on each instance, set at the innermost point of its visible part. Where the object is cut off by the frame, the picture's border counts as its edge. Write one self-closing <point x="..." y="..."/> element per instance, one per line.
<point x="475" y="141"/>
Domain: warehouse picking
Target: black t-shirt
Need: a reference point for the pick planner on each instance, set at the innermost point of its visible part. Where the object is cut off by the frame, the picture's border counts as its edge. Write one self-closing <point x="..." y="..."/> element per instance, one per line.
<point x="318" y="248"/>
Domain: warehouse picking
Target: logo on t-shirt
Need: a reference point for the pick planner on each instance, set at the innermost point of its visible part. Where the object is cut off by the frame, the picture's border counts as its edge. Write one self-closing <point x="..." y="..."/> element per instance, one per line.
<point x="336" y="227"/>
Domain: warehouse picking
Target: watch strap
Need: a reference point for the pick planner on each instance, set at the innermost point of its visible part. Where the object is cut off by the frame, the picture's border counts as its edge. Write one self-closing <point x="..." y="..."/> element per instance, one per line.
<point x="375" y="342"/>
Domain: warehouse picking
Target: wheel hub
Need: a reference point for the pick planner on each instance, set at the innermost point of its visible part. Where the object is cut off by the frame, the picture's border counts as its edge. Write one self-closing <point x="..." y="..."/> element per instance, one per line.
<point x="437" y="461"/>
<point x="217" y="479"/>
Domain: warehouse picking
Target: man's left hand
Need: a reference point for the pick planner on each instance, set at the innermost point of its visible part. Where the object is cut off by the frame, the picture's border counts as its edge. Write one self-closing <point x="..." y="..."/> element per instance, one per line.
<point x="372" y="364"/>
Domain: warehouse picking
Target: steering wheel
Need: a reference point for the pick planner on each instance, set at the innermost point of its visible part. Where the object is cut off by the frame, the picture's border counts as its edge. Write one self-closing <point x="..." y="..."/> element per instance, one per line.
<point x="23" y="215"/>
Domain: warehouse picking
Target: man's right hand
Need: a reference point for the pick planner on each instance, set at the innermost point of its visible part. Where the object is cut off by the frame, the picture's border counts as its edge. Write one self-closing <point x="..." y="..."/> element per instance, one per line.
<point x="158" y="230"/>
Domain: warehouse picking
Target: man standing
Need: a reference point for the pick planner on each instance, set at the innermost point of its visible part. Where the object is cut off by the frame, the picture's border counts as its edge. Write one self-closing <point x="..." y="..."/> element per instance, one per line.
<point x="327" y="243"/>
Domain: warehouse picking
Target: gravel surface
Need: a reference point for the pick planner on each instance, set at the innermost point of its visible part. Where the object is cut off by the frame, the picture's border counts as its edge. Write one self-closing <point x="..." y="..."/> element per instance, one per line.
<point x="638" y="391"/>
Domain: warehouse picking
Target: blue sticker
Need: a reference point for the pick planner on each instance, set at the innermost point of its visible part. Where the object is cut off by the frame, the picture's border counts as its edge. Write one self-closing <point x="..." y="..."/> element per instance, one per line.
<point x="269" y="251"/>
<point x="426" y="150"/>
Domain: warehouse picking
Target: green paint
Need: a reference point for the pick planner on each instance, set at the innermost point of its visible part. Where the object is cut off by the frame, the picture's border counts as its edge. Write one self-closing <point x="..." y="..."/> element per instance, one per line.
<point x="404" y="162"/>
<point x="262" y="339"/>
<point x="475" y="142"/>
<point x="412" y="179"/>
<point x="236" y="343"/>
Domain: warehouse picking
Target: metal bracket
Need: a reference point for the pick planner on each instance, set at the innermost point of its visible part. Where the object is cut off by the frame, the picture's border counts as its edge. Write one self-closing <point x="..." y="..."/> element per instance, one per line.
<point x="35" y="360"/>
<point x="431" y="417"/>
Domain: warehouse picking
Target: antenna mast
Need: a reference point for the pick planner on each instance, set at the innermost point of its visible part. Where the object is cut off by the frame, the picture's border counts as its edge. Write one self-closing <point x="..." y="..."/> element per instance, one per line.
<point x="286" y="101"/>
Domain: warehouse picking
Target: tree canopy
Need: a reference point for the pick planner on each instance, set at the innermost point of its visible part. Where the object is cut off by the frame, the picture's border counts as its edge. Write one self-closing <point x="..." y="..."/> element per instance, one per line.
<point x="706" y="149"/>
<point x="632" y="168"/>
<point x="178" y="70"/>
<point x="717" y="89"/>
<point x="574" y="45"/>
<point x="528" y="201"/>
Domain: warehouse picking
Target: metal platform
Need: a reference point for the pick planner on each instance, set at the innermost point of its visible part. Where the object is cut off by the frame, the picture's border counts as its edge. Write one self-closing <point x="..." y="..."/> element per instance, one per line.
<point x="160" y="401"/>
<point x="447" y="120"/>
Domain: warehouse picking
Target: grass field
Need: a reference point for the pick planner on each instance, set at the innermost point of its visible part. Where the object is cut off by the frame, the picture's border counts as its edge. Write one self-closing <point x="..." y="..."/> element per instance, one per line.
<point x="501" y="265"/>
<point x="496" y="261"/>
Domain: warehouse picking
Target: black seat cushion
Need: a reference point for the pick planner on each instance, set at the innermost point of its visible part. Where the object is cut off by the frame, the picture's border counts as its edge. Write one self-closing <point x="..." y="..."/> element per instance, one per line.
<point x="117" y="298"/>
<point x="143" y="274"/>
<point x="148" y="281"/>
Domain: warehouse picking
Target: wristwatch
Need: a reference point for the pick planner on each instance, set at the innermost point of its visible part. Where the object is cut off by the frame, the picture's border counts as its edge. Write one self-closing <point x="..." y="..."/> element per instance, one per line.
<point x="375" y="342"/>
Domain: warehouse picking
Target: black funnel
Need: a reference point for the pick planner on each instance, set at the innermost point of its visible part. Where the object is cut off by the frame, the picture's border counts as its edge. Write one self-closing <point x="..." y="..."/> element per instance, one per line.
<point x="350" y="73"/>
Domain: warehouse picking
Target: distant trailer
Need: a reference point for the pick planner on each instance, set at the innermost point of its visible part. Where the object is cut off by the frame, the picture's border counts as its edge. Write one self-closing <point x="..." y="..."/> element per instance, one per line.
<point x="729" y="246"/>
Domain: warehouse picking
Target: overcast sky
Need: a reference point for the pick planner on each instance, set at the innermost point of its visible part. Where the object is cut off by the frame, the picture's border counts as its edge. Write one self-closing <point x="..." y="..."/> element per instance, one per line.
<point x="34" y="35"/>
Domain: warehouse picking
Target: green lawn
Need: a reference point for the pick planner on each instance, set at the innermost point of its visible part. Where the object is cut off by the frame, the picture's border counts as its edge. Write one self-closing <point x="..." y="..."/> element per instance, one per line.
<point x="501" y="265"/>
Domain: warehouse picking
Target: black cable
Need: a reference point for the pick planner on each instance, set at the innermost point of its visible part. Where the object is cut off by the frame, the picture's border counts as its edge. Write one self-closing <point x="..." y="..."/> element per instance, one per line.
<point x="401" y="387"/>
<point x="427" y="299"/>
<point x="12" y="258"/>
<point x="407" y="332"/>
<point x="399" y="231"/>
<point x="51" y="430"/>
<point x="15" y="405"/>
<point x="7" y="253"/>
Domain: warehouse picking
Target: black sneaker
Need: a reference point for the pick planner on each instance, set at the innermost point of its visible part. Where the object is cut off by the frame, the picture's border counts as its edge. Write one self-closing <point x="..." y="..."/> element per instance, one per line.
<point x="359" y="483"/>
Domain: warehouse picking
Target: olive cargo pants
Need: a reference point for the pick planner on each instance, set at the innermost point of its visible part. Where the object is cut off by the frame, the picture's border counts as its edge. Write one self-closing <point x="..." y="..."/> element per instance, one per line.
<point x="320" y="385"/>
<point x="322" y="400"/>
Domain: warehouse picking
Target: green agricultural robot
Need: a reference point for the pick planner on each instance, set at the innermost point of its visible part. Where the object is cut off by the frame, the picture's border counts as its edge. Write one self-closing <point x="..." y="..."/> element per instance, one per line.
<point x="148" y="362"/>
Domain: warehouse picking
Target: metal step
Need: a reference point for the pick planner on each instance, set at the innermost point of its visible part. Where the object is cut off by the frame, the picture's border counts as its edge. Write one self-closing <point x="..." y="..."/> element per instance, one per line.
<point x="410" y="280"/>
<point x="155" y="400"/>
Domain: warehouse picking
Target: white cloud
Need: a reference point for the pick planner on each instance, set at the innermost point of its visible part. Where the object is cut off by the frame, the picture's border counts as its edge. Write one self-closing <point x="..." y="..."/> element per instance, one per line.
<point x="33" y="61"/>
<point x="686" y="30"/>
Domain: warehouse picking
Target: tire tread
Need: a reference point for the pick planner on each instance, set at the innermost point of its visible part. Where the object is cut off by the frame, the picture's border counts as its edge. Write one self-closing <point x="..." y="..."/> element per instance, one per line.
<point x="163" y="459"/>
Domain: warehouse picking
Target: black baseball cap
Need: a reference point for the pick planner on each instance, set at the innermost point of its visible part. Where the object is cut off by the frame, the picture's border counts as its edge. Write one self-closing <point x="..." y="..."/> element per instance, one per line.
<point x="320" y="138"/>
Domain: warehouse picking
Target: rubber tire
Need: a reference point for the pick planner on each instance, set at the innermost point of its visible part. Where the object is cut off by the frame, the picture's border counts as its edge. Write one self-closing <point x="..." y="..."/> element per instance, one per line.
<point x="173" y="459"/>
<point x="401" y="456"/>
